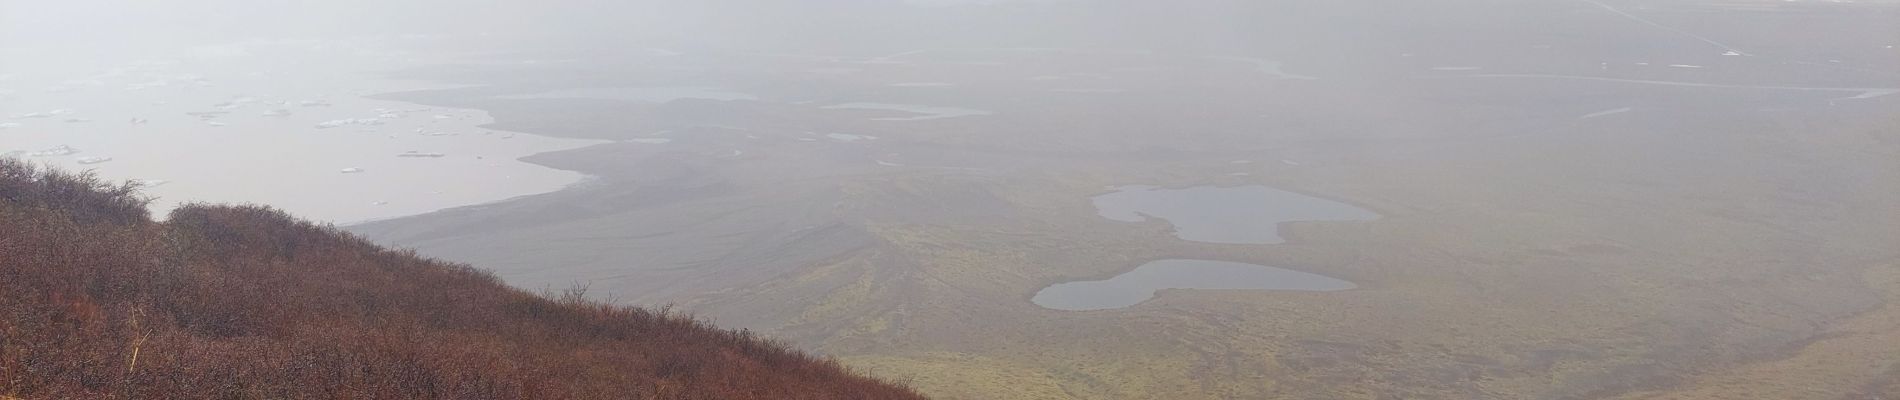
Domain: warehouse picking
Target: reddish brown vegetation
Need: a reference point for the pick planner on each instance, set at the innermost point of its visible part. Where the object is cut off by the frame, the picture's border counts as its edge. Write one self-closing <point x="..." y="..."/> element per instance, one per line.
<point x="98" y="301"/>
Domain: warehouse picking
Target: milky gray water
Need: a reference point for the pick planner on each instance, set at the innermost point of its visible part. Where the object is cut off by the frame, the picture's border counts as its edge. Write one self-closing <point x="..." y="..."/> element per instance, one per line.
<point x="923" y="112"/>
<point x="287" y="123"/>
<point x="640" y="94"/>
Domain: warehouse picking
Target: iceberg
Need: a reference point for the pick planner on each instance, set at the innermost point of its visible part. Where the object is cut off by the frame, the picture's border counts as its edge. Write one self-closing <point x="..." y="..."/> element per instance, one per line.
<point x="92" y="160"/>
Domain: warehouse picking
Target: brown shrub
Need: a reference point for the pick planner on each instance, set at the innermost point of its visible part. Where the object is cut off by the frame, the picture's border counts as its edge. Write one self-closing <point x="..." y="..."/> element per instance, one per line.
<point x="98" y="301"/>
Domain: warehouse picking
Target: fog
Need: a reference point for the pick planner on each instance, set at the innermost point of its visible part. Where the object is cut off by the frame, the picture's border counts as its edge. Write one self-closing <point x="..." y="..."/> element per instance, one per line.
<point x="1444" y="198"/>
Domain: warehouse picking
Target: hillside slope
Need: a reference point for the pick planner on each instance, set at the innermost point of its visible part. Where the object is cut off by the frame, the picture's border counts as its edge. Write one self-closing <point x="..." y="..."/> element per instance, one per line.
<point x="246" y="302"/>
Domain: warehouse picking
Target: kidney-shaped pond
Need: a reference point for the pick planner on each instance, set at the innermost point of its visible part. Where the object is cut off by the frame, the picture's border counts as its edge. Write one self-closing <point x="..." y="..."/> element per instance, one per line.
<point x="1231" y="215"/>
<point x="1141" y="284"/>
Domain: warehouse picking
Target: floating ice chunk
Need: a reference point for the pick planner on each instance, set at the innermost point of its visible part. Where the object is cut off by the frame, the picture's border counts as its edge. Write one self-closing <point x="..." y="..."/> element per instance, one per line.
<point x="313" y="103"/>
<point x="140" y="121"/>
<point x="651" y="140"/>
<point x="92" y="160"/>
<point x="389" y="116"/>
<point x="145" y="85"/>
<point x="277" y="112"/>
<point x="443" y="116"/>
<point x="848" y="138"/>
<point x="62" y="111"/>
<point x="55" y="151"/>
<point x="379" y="203"/>
<point x="351" y="170"/>
<point x="1875" y="93"/>
<point x="418" y="154"/>
<point x="9" y="125"/>
<point x="1608" y="112"/>
<point x="1732" y="53"/>
<point x="888" y="163"/>
<point x="1684" y="66"/>
<point x="338" y="123"/>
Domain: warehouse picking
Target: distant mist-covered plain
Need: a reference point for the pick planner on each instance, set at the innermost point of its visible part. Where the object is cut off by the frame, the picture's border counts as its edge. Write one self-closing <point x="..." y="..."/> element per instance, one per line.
<point x="1446" y="199"/>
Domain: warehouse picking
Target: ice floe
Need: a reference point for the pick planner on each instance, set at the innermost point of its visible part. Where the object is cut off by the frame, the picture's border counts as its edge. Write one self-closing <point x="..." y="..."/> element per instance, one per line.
<point x="848" y="138"/>
<point x="338" y="123"/>
<point x="1608" y="112"/>
<point x="55" y="151"/>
